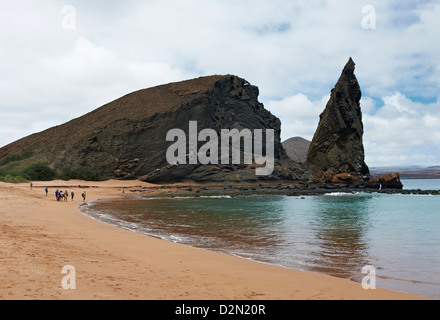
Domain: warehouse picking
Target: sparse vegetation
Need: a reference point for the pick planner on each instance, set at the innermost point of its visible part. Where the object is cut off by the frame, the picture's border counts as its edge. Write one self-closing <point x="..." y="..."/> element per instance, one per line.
<point x="80" y="173"/>
<point x="12" y="176"/>
<point x="14" y="169"/>
<point x="16" y="157"/>
<point x="39" y="172"/>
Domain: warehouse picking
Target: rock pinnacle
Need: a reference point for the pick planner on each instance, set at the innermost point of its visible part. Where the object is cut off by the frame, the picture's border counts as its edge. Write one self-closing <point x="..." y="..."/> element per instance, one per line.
<point x="337" y="144"/>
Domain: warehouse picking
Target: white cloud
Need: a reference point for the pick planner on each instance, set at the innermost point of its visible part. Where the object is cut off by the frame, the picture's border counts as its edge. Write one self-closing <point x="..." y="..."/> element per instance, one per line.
<point x="298" y="114"/>
<point x="403" y="132"/>
<point x="368" y="105"/>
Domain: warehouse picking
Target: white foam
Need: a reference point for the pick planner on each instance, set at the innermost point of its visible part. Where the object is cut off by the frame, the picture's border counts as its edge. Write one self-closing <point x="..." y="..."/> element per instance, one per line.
<point x="338" y="194"/>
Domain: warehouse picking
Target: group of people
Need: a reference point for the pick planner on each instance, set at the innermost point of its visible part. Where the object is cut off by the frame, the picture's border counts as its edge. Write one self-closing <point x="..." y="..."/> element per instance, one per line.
<point x="64" y="196"/>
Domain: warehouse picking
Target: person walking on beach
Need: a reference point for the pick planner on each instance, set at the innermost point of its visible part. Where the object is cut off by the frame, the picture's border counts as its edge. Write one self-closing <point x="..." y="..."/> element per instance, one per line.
<point x="73" y="195"/>
<point x="47" y="191"/>
<point x="32" y="185"/>
<point x="66" y="196"/>
<point x="84" y="196"/>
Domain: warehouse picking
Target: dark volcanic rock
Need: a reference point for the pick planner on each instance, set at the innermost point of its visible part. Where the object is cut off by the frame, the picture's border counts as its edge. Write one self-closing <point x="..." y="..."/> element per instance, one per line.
<point x="373" y="183"/>
<point x="126" y="139"/>
<point x="391" y="181"/>
<point x="337" y="143"/>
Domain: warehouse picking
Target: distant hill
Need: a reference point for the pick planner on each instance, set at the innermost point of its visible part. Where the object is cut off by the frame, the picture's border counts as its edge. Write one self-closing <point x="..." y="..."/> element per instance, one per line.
<point x="410" y="172"/>
<point x="297" y="148"/>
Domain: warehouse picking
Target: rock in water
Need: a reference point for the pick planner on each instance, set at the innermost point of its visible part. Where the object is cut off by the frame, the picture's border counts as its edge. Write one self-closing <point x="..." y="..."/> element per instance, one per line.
<point x="391" y="181"/>
<point x="126" y="139"/>
<point x="337" y="144"/>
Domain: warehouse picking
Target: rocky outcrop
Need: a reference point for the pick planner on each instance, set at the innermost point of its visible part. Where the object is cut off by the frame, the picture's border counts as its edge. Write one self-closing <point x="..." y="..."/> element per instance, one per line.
<point x="126" y="139"/>
<point x="391" y="181"/>
<point x="338" y="141"/>
<point x="330" y="180"/>
<point x="373" y="183"/>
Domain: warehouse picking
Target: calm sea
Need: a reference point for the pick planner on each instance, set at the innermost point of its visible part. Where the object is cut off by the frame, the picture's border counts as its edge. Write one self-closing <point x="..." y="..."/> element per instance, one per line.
<point x="336" y="233"/>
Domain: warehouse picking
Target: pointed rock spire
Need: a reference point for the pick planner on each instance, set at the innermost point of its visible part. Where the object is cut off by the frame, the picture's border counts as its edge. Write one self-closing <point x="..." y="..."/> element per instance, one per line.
<point x="337" y="144"/>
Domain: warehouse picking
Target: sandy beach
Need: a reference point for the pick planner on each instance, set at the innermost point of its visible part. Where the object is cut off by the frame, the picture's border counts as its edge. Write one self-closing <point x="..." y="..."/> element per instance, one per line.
<point x="39" y="236"/>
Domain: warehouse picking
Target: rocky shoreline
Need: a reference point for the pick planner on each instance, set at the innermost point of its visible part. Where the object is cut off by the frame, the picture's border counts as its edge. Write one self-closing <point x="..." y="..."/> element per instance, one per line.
<point x="191" y="190"/>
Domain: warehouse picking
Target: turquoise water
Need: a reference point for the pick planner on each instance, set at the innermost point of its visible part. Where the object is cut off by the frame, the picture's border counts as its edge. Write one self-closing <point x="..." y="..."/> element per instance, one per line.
<point x="336" y="234"/>
<point x="422" y="184"/>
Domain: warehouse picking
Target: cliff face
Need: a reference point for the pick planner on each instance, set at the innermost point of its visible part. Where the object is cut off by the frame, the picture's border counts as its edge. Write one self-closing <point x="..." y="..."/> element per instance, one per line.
<point x="126" y="139"/>
<point x="337" y="146"/>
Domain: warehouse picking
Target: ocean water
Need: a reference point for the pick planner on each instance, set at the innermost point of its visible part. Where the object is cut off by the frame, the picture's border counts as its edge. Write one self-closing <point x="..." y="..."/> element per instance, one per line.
<point x="337" y="233"/>
<point x="422" y="184"/>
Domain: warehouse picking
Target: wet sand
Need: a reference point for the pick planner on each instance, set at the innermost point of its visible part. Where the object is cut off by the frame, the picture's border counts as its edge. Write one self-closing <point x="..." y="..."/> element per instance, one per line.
<point x="39" y="236"/>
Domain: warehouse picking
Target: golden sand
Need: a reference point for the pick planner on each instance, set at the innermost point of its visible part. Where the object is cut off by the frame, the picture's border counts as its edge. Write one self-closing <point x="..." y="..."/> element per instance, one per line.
<point x="40" y="236"/>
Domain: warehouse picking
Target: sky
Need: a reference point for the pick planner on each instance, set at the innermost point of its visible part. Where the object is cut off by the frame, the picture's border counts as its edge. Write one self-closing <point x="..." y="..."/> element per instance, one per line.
<point x="62" y="59"/>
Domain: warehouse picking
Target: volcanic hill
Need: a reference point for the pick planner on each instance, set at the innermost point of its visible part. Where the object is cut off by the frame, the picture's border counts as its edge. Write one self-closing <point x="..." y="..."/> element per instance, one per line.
<point x="126" y="139"/>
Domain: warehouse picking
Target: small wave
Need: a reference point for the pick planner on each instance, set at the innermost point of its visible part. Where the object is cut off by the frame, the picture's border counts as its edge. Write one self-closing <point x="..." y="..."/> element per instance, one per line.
<point x="195" y="197"/>
<point x="175" y="238"/>
<point x="217" y="197"/>
<point x="415" y="194"/>
<point x="338" y="194"/>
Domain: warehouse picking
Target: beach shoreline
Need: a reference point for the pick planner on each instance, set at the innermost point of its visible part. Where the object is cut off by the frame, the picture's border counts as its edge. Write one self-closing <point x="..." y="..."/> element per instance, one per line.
<point x="40" y="236"/>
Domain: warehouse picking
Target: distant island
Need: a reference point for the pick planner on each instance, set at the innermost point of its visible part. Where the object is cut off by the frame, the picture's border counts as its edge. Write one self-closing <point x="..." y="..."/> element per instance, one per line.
<point x="409" y="173"/>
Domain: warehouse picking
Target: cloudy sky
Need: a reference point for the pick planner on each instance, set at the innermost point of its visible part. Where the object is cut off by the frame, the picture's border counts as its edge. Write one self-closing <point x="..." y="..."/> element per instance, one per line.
<point x="61" y="59"/>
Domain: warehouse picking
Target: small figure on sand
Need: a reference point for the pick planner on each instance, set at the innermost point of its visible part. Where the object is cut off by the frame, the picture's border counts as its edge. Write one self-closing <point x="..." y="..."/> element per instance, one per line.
<point x="84" y="195"/>
<point x="66" y="196"/>
<point x="32" y="185"/>
<point x="72" y="194"/>
<point x="47" y="191"/>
